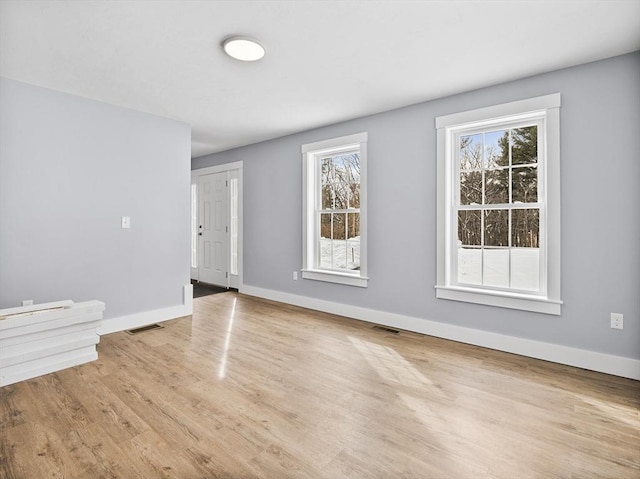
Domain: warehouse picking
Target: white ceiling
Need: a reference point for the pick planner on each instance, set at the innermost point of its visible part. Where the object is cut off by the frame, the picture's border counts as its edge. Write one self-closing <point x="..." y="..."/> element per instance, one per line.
<point x="327" y="61"/>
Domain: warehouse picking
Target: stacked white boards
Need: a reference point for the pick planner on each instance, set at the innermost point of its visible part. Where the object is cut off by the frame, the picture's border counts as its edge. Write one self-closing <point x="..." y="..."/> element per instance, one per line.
<point x="43" y="338"/>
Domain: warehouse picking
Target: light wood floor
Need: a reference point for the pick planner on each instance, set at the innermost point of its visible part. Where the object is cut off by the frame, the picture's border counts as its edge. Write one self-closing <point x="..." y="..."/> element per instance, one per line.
<point x="247" y="388"/>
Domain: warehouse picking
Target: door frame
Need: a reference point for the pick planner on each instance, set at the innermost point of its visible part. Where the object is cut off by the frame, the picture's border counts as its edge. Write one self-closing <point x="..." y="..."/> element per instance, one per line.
<point x="195" y="176"/>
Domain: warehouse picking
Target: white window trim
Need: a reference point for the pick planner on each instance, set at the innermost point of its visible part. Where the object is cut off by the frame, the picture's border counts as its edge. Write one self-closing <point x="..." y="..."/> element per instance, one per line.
<point x="310" y="152"/>
<point x="550" y="302"/>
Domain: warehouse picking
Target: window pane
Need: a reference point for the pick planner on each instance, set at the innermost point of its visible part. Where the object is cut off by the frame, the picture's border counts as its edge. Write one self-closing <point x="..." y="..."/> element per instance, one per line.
<point x="495" y="267"/>
<point x="496" y="188"/>
<point x="194" y="225"/>
<point x="525" y="184"/>
<point x="353" y="241"/>
<point x="354" y="195"/>
<point x="353" y="225"/>
<point x="471" y="152"/>
<point x="324" y="261"/>
<point x="353" y="253"/>
<point x="469" y="227"/>
<point x="351" y="164"/>
<point x="339" y="226"/>
<point x="524" y="145"/>
<point x="496" y="228"/>
<point x="339" y="254"/>
<point x="469" y="265"/>
<point x="471" y="188"/>
<point x="327" y="197"/>
<point x="326" y="183"/>
<point x="496" y="149"/>
<point x="525" y="270"/>
<point x="525" y="228"/>
<point x="346" y="180"/>
<point x="325" y="225"/>
<point x="332" y="241"/>
<point x="340" y="181"/>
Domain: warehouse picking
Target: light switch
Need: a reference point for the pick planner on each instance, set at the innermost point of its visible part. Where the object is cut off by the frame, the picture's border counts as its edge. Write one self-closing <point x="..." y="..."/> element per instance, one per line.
<point x="126" y="222"/>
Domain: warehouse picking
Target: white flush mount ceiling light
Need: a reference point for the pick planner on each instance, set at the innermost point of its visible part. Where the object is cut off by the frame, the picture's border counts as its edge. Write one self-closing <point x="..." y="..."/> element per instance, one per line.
<point x="243" y="48"/>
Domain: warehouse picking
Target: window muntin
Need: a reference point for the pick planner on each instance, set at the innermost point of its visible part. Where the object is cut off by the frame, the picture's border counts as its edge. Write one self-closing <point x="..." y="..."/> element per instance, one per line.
<point x="502" y="203"/>
<point x="334" y="210"/>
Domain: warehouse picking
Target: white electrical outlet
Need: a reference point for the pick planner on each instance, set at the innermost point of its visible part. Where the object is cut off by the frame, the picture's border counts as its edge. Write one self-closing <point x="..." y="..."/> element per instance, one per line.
<point x="126" y="222"/>
<point x="295" y="276"/>
<point x="617" y="320"/>
<point x="27" y="302"/>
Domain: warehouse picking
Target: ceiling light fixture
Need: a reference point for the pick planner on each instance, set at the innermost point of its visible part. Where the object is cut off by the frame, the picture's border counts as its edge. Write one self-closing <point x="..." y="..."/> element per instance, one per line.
<point x="243" y="48"/>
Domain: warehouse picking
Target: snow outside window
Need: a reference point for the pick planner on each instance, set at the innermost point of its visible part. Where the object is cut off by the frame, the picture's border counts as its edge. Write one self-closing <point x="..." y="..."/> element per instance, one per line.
<point x="334" y="243"/>
<point x="498" y="206"/>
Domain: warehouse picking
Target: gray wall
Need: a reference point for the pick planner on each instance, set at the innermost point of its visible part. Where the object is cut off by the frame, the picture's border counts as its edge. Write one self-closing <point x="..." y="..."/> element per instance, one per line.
<point x="69" y="169"/>
<point x="600" y="148"/>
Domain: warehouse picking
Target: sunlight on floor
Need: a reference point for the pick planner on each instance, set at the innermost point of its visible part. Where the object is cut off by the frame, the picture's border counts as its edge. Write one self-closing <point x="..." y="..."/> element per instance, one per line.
<point x="395" y="369"/>
<point x="390" y="365"/>
<point x="223" y="364"/>
<point x="618" y="413"/>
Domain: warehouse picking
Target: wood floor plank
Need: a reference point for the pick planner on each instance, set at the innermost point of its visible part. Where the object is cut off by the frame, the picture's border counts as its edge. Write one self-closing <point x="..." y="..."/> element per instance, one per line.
<point x="33" y="450"/>
<point x="249" y="388"/>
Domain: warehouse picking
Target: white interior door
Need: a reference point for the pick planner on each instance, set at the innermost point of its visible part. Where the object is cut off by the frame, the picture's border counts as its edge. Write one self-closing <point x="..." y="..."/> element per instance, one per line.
<point x="213" y="227"/>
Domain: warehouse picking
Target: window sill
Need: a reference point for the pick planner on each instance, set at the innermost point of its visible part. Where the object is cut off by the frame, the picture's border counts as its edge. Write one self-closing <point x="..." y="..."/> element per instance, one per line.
<point x="537" y="304"/>
<point x="335" y="277"/>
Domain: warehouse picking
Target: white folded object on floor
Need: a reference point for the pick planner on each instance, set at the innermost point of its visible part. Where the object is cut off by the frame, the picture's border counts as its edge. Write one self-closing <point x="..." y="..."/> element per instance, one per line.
<point x="44" y="338"/>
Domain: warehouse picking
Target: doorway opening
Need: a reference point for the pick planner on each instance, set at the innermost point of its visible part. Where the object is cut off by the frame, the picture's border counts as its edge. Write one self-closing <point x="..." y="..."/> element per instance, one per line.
<point x="216" y="226"/>
<point x="204" y="289"/>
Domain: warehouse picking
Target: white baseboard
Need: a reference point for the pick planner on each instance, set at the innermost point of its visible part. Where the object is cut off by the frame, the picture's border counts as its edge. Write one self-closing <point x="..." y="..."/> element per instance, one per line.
<point x="137" y="320"/>
<point x="605" y="363"/>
